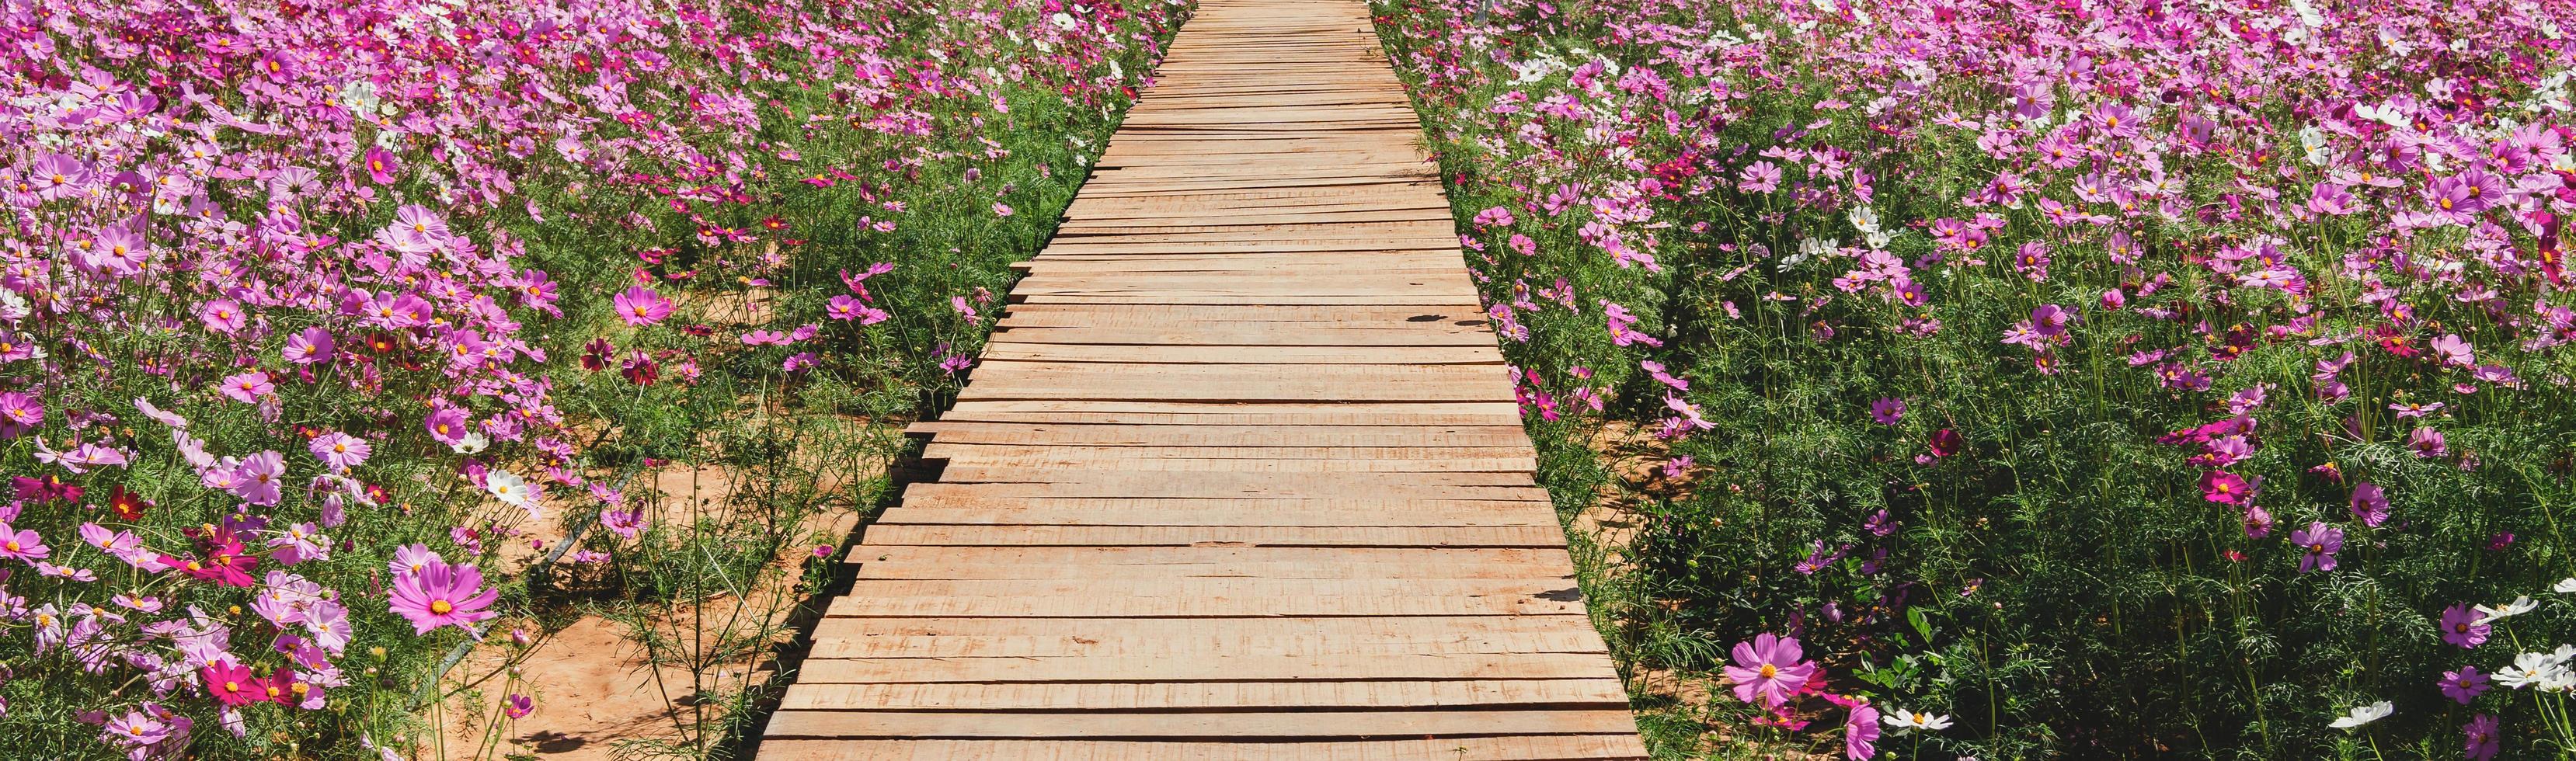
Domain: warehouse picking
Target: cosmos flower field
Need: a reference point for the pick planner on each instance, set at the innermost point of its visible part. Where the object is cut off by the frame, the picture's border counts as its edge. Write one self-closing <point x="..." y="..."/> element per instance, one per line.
<point x="2065" y="379"/>
<point x="338" y="339"/>
<point x="1926" y="379"/>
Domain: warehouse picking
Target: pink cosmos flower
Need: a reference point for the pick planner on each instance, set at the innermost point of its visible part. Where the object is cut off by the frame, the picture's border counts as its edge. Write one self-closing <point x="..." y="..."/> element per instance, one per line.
<point x="398" y="311"/>
<point x="340" y="451"/>
<point x="20" y="412"/>
<point x="442" y="595"/>
<point x="222" y="316"/>
<point x="256" y="481"/>
<point x="2369" y="504"/>
<point x="134" y="729"/>
<point x="641" y="306"/>
<point x="1887" y="411"/>
<point x="412" y="559"/>
<point x="2317" y="545"/>
<point x="1860" y="731"/>
<point x="1770" y="668"/>
<point x="845" y="308"/>
<point x="382" y="166"/>
<point x="22" y="544"/>
<point x="625" y="523"/>
<point x="309" y="346"/>
<point x="447" y="425"/>
<point x="248" y="387"/>
<point x="2427" y="443"/>
<point x="119" y="251"/>
<point x="518" y="706"/>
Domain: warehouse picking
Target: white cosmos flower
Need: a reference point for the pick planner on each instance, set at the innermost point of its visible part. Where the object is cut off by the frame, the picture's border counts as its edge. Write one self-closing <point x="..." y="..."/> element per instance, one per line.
<point x="2519" y="606"/>
<point x="2567" y="587"/>
<point x="470" y="443"/>
<point x="2531" y="670"/>
<point x="1863" y="218"/>
<point x="2364" y="715"/>
<point x="1903" y="720"/>
<point x="512" y="490"/>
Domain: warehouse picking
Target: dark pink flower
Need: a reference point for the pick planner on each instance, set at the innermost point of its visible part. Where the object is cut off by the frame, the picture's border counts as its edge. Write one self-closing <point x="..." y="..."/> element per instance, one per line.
<point x="382" y="166"/>
<point x="2461" y="625"/>
<point x="1769" y="669"/>
<point x="442" y="595"/>
<point x="2464" y="685"/>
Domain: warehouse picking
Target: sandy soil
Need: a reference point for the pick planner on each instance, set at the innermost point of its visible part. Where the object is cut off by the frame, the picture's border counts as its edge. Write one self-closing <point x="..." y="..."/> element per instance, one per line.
<point x="591" y="680"/>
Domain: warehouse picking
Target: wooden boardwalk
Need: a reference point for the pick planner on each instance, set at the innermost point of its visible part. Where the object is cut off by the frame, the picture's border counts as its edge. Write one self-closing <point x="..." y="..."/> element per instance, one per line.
<point x="1239" y="477"/>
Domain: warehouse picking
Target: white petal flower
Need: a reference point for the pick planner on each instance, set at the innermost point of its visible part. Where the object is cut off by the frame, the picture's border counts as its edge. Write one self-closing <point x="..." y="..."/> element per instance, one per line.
<point x="513" y="490"/>
<point x="2519" y="606"/>
<point x="2531" y="670"/>
<point x="2567" y="587"/>
<point x="1904" y="720"/>
<point x="470" y="443"/>
<point x="2364" y="715"/>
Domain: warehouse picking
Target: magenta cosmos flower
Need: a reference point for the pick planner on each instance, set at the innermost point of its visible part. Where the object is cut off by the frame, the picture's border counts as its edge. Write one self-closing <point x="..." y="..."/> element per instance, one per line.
<point x="641" y="306"/>
<point x="2317" y="544"/>
<point x="2464" y="685"/>
<point x="382" y="166"/>
<point x="2225" y="488"/>
<point x="2460" y="626"/>
<point x="232" y="684"/>
<point x="1771" y="667"/>
<point x="2480" y="739"/>
<point x="442" y="595"/>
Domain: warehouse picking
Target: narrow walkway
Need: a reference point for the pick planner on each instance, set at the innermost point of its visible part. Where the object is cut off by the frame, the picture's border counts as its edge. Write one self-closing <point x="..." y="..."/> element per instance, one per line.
<point x="1240" y="477"/>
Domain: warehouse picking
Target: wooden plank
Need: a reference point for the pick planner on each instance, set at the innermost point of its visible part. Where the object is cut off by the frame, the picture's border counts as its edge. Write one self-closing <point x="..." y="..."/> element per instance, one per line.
<point x="1086" y="696"/>
<point x="1272" y="513"/>
<point x="896" y="562"/>
<point x="1240" y="354"/>
<point x="1195" y="435"/>
<point x="1410" y="628"/>
<point x="1184" y="536"/>
<point x="1098" y="482"/>
<point x="1202" y="667"/>
<point x="1602" y="747"/>
<point x="1234" y="726"/>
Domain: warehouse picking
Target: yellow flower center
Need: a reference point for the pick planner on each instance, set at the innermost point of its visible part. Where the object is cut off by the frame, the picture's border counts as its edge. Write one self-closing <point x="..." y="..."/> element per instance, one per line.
<point x="232" y="686"/>
<point x="441" y="607"/>
<point x="1770" y="671"/>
